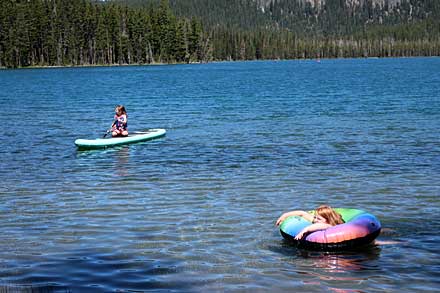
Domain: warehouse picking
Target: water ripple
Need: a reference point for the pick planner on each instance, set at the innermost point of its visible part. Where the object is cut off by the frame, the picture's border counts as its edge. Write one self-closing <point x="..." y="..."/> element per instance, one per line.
<point x="195" y="210"/>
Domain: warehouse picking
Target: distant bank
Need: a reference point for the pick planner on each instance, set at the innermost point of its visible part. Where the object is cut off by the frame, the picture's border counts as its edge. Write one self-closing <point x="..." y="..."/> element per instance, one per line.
<point x="214" y="61"/>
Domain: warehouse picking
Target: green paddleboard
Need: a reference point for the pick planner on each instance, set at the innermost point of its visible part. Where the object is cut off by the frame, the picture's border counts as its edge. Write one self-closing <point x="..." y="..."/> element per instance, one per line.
<point x="87" y="144"/>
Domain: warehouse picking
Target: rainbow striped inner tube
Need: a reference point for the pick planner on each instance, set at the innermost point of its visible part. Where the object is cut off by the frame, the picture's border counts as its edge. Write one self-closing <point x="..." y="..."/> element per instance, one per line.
<point x="360" y="228"/>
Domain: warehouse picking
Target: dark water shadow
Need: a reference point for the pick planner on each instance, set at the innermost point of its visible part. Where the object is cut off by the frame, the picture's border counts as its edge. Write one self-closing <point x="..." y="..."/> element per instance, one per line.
<point x="49" y="288"/>
<point x="98" y="271"/>
<point x="341" y="271"/>
<point x="117" y="157"/>
<point x="342" y="261"/>
<point x="100" y="152"/>
<point x="358" y="259"/>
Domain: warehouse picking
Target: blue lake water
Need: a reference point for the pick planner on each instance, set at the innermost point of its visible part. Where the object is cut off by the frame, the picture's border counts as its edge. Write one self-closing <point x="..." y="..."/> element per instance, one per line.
<point x="195" y="210"/>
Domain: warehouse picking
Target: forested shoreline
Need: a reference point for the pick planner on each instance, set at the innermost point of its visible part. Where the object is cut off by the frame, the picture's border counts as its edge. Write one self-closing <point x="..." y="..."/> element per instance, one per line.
<point x="81" y="32"/>
<point x="297" y="29"/>
<point x="89" y="33"/>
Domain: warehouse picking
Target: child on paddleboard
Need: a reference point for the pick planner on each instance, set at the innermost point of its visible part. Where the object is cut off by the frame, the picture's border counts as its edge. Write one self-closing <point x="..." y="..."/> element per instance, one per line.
<point x="119" y="126"/>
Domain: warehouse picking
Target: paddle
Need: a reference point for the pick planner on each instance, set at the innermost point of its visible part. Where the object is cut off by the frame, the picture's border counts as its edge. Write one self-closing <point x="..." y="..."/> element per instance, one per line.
<point x="109" y="130"/>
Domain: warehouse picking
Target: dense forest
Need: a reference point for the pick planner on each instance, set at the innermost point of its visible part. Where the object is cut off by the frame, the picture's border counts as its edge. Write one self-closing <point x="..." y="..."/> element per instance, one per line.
<point x="82" y="32"/>
<point x="291" y="29"/>
<point x="92" y="32"/>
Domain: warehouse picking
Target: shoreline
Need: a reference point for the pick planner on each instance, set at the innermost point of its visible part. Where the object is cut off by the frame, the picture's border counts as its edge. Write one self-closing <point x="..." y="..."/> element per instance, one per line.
<point x="215" y="61"/>
<point x="90" y="65"/>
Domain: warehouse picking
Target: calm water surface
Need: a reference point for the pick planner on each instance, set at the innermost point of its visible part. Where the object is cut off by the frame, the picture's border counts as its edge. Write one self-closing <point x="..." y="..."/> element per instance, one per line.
<point x="195" y="210"/>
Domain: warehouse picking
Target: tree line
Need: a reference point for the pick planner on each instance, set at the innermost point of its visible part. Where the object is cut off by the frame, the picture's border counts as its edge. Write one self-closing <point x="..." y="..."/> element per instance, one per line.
<point x="292" y="29"/>
<point x="82" y="32"/>
<point x="92" y="32"/>
<point x="377" y="41"/>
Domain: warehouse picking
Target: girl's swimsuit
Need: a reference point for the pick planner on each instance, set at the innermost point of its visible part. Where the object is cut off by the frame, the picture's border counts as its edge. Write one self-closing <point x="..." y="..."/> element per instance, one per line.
<point x="121" y="122"/>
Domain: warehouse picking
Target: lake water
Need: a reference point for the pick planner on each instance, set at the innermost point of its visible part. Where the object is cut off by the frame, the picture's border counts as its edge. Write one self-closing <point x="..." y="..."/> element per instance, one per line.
<point x="195" y="210"/>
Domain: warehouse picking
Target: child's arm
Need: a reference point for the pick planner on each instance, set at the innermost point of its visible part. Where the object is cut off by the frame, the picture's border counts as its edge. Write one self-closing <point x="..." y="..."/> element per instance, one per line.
<point x="312" y="228"/>
<point x="115" y="119"/>
<point x="305" y="215"/>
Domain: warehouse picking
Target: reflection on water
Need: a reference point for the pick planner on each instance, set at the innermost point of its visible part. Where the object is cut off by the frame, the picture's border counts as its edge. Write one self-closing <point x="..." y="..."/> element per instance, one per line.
<point x="336" y="270"/>
<point x="344" y="271"/>
<point x="122" y="159"/>
<point x="340" y="262"/>
<point x="118" y="157"/>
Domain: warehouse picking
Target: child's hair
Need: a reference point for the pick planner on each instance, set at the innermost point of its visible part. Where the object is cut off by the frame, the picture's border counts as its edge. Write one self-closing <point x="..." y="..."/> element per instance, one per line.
<point x="333" y="218"/>
<point x="120" y="109"/>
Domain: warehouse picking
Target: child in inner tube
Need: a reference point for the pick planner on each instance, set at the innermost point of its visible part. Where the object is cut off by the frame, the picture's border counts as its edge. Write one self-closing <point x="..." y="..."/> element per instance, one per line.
<point x="119" y="126"/>
<point x="323" y="217"/>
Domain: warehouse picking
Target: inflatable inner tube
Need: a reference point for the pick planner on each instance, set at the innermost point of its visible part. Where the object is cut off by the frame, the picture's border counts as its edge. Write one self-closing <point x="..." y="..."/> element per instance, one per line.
<point x="360" y="228"/>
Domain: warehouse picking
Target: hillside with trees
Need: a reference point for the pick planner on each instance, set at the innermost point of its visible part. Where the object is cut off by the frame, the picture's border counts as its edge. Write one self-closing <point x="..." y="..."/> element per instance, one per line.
<point x="291" y="29"/>
<point x="87" y="32"/>
<point x="81" y="32"/>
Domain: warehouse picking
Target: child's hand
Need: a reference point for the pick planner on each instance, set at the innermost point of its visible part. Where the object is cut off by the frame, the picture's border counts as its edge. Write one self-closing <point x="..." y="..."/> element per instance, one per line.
<point x="300" y="235"/>
<point x="281" y="219"/>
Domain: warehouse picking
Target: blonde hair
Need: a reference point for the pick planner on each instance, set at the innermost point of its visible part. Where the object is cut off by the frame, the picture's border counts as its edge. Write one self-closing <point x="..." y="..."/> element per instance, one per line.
<point x="333" y="218"/>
